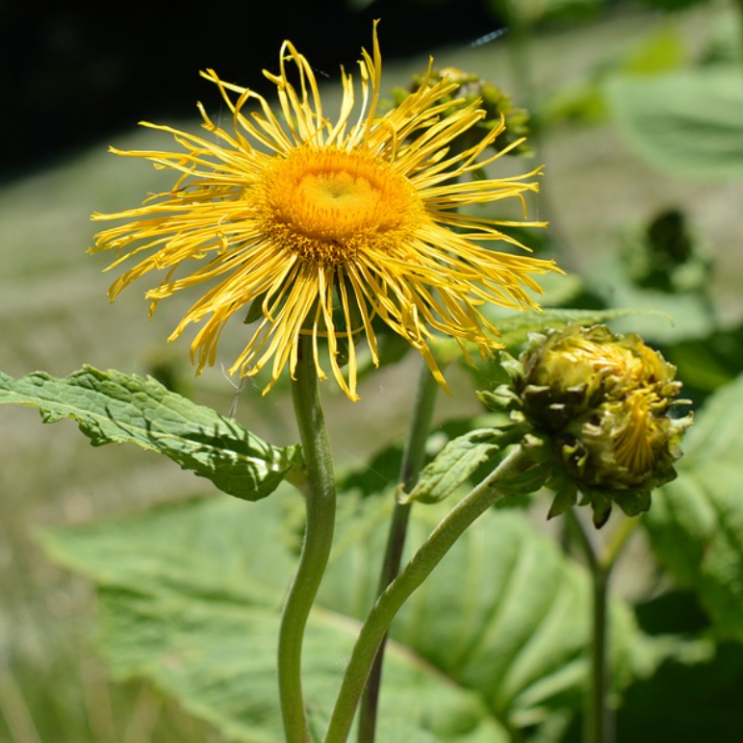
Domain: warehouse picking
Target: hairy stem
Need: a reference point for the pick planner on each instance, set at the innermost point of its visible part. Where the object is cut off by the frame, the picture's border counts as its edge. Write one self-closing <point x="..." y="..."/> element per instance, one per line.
<point x="319" y="494"/>
<point x="412" y="462"/>
<point x="428" y="556"/>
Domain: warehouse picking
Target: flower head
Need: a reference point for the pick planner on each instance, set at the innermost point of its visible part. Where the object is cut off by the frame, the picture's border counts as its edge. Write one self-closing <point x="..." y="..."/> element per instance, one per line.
<point x="598" y="406"/>
<point x="323" y="227"/>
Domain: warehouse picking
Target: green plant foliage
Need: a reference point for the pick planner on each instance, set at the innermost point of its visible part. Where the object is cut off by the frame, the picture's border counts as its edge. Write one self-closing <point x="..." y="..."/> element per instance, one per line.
<point x="686" y="701"/>
<point x="688" y="122"/>
<point x="660" y="51"/>
<point x="708" y="362"/>
<point x="696" y="523"/>
<point x="190" y="596"/>
<point x="499" y="616"/>
<point x="537" y="11"/>
<point x="111" y="407"/>
<point x="585" y="100"/>
<point x="515" y="329"/>
<point x="454" y="465"/>
<point x="660" y="317"/>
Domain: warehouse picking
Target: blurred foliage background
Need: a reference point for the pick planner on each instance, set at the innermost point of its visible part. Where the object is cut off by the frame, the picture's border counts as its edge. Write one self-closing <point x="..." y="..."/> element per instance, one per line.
<point x="641" y="215"/>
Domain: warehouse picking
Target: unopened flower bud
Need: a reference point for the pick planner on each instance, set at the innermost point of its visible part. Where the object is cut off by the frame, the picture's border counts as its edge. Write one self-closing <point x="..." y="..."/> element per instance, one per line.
<point x="500" y="112"/>
<point x="601" y="404"/>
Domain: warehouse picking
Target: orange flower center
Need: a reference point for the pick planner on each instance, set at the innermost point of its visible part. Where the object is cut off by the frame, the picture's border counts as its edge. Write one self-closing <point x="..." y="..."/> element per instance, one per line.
<point x="329" y="204"/>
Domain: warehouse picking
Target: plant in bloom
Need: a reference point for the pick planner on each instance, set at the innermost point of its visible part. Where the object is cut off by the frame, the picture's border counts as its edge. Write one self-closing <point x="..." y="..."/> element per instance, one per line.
<point x="323" y="226"/>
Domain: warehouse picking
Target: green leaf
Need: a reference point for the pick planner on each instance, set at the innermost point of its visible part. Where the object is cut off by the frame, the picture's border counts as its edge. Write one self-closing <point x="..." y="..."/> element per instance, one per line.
<point x="475" y="452"/>
<point x="660" y="51"/>
<point x="505" y="615"/>
<point x="688" y="122"/>
<point x="674" y="317"/>
<point x="708" y="362"/>
<point x="515" y="329"/>
<point x="696" y="522"/>
<point x="672" y="5"/>
<point x="111" y="407"/>
<point x="190" y="596"/>
<point x="687" y="700"/>
<point x="455" y="463"/>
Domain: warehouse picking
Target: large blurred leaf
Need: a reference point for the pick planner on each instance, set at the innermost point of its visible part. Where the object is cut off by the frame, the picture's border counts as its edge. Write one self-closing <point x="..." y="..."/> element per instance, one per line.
<point x="672" y="5"/>
<point x="190" y="598"/>
<point x="696" y="522"/>
<point x="505" y="614"/>
<point x="658" y="316"/>
<point x="708" y="362"/>
<point x="687" y="700"/>
<point x="658" y="51"/>
<point x="111" y="407"/>
<point x="688" y="122"/>
<point x="191" y="594"/>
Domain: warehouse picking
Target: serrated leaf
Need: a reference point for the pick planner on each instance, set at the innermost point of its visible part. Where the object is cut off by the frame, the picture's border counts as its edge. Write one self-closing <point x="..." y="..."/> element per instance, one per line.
<point x="696" y="522"/>
<point x="454" y="464"/>
<point x="111" y="407"/>
<point x="219" y="661"/>
<point x="688" y="122"/>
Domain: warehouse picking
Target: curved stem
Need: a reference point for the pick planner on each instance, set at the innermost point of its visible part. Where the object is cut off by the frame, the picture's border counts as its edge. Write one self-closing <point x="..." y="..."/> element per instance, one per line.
<point x="412" y="463"/>
<point x="415" y="572"/>
<point x="319" y="493"/>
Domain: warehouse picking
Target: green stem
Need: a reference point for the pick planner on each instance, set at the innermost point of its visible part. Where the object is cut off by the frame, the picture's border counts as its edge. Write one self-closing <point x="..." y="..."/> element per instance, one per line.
<point x="319" y="493"/>
<point x="412" y="463"/>
<point x="597" y="718"/>
<point x="598" y="728"/>
<point x="415" y="572"/>
<point x="617" y="542"/>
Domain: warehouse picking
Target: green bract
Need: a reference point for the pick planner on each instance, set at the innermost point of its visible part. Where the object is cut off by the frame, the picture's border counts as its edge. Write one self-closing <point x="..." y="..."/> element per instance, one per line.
<point x="495" y="102"/>
<point x="598" y="406"/>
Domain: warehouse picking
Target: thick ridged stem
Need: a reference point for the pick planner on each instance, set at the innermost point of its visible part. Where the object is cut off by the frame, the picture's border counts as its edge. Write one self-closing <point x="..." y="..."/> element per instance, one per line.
<point x="319" y="491"/>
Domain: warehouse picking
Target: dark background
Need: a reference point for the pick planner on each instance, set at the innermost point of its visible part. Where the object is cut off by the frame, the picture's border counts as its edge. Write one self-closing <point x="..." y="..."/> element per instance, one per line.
<point x="71" y="74"/>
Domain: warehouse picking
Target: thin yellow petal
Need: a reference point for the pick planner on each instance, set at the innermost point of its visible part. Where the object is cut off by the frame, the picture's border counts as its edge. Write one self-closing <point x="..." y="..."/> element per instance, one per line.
<point x="331" y="227"/>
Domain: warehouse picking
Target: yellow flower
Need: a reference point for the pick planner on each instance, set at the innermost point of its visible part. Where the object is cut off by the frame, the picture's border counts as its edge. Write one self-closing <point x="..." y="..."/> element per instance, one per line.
<point x="321" y="226"/>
